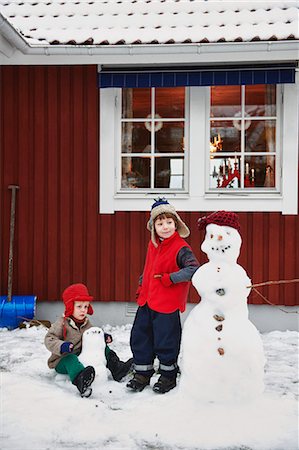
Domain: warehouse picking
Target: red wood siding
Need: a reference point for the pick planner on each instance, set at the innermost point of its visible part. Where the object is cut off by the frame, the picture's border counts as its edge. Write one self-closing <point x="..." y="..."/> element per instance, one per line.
<point x="49" y="147"/>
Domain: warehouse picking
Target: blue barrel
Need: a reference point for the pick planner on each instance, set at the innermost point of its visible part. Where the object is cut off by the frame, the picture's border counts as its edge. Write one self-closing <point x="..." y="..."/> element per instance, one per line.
<point x="13" y="313"/>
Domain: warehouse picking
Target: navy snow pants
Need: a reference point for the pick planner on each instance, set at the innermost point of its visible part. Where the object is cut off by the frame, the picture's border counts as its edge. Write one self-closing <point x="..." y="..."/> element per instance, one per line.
<point x="158" y="335"/>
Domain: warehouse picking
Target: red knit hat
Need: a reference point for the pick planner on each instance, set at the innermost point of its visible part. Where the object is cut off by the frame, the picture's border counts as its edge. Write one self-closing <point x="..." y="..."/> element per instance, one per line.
<point x="222" y="218"/>
<point x="76" y="292"/>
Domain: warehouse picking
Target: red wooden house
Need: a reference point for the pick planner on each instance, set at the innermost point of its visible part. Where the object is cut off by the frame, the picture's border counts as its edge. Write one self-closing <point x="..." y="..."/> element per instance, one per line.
<point x="95" y="125"/>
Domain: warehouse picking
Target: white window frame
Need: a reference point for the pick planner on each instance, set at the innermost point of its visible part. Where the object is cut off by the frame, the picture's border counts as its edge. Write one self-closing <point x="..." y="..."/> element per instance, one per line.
<point x="198" y="198"/>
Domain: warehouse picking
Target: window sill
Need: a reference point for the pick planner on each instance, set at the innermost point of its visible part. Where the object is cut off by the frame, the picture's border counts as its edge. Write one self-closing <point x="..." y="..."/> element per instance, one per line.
<point x="245" y="195"/>
<point x="151" y="195"/>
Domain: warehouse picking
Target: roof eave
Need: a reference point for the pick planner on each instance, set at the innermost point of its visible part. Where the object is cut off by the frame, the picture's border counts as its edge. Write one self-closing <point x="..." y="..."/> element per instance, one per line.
<point x="18" y="51"/>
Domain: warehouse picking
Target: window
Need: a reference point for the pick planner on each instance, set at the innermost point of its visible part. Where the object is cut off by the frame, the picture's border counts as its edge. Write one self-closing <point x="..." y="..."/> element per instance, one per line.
<point x="153" y="140"/>
<point x="204" y="148"/>
<point x="244" y="147"/>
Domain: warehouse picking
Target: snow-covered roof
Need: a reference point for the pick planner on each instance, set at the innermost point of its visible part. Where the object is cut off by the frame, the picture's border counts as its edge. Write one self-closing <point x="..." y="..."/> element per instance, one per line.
<point x="110" y="22"/>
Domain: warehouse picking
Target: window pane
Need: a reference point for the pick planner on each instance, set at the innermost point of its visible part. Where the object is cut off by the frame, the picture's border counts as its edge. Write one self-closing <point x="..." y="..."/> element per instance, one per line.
<point x="135" y="138"/>
<point x="260" y="135"/>
<point x="135" y="172"/>
<point x="170" y="102"/>
<point x="259" y="171"/>
<point x="170" y="138"/>
<point x="226" y="101"/>
<point x="260" y="100"/>
<point x="227" y="132"/>
<point x="136" y="103"/>
<point x="169" y="173"/>
<point x="224" y="172"/>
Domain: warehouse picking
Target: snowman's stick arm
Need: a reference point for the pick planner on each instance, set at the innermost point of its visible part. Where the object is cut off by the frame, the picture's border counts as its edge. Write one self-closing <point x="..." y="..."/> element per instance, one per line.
<point x="265" y="283"/>
<point x="270" y="303"/>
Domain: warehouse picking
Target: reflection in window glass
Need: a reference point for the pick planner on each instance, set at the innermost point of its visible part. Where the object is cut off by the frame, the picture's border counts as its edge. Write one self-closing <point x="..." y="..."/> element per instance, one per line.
<point x="225" y="136"/>
<point x="174" y="108"/>
<point x="169" y="173"/>
<point x="225" y="101"/>
<point x="260" y="100"/>
<point x="135" y="173"/>
<point x="170" y="138"/>
<point x="259" y="171"/>
<point x="135" y="138"/>
<point x="136" y="103"/>
<point x="260" y="136"/>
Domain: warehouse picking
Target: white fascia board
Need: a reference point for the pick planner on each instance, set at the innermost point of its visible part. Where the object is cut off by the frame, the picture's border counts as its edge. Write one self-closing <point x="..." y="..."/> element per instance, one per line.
<point x="6" y="48"/>
<point x="121" y="56"/>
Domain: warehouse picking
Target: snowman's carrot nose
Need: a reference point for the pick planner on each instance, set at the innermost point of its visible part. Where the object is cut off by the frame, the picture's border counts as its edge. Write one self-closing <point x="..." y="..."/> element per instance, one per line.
<point x="219" y="237"/>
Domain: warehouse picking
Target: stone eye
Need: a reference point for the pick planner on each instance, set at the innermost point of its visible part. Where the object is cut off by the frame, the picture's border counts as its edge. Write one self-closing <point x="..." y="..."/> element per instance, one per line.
<point x="212" y="236"/>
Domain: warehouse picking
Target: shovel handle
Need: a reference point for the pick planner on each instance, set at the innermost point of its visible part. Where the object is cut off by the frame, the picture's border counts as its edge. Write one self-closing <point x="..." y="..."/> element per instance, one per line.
<point x="13" y="189"/>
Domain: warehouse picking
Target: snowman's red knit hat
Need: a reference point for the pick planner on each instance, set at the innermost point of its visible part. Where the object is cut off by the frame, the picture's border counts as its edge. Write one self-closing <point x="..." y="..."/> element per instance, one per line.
<point x="76" y="292"/>
<point x="222" y="218"/>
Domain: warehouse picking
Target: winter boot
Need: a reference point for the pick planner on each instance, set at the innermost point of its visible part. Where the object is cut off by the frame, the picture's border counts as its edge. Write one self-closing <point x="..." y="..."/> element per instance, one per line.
<point x="118" y="368"/>
<point x="83" y="380"/>
<point x="164" y="384"/>
<point x="138" y="382"/>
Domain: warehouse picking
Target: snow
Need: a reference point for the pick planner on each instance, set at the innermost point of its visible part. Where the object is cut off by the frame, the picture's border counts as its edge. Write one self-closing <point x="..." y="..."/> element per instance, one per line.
<point x="40" y="413"/>
<point x="113" y="21"/>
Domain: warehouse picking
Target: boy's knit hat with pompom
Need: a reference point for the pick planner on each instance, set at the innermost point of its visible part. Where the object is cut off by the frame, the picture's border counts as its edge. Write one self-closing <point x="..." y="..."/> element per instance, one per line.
<point x="161" y="206"/>
<point x="76" y="292"/>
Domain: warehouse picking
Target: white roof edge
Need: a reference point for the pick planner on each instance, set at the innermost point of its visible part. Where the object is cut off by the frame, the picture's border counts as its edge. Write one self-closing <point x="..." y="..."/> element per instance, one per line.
<point x="137" y="54"/>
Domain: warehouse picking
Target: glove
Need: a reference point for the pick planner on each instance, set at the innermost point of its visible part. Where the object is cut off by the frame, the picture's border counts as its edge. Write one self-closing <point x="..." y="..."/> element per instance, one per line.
<point x="165" y="279"/>
<point x="108" y="338"/>
<point x="66" y="347"/>
<point x="138" y="292"/>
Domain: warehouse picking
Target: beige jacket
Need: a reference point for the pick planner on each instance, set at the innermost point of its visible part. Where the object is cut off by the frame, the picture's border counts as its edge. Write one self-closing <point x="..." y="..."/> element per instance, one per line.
<point x="54" y="338"/>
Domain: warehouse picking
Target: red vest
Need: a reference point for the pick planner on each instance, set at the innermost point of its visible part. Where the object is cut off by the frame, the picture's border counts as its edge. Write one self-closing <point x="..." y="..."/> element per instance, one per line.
<point x="159" y="260"/>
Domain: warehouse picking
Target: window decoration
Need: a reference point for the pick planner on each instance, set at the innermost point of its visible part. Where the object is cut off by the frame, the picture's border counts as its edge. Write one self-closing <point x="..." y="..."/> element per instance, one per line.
<point x="243" y="129"/>
<point x="153" y="139"/>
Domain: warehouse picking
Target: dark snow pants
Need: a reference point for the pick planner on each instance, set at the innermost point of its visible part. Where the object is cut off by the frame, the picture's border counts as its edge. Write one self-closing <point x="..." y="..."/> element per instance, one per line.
<point x="158" y="335"/>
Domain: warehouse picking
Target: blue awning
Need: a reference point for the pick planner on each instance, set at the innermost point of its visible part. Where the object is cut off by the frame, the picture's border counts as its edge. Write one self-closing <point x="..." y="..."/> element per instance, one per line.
<point x="145" y="78"/>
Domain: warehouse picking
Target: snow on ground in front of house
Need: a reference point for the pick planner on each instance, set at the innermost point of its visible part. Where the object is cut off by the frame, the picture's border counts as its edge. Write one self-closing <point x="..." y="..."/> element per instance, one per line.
<point x="40" y="413"/>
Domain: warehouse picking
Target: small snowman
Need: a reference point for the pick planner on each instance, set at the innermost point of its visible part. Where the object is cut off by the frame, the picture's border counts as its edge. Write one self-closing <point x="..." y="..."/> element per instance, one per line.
<point x="93" y="352"/>
<point x="222" y="351"/>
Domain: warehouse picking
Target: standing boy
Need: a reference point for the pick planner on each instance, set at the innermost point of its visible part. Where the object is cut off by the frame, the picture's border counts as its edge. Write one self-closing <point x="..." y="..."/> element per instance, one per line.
<point x="162" y="294"/>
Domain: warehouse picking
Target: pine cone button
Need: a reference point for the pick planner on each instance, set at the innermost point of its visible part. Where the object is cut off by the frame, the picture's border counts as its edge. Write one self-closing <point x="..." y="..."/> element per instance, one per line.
<point x="218" y="318"/>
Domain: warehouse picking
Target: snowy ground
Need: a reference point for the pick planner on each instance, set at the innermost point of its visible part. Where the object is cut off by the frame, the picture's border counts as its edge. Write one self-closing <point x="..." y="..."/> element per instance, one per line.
<point x="40" y="413"/>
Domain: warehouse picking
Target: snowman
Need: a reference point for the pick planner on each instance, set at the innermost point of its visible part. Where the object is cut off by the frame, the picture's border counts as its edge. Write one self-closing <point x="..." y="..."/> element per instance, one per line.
<point x="222" y="352"/>
<point x="93" y="352"/>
